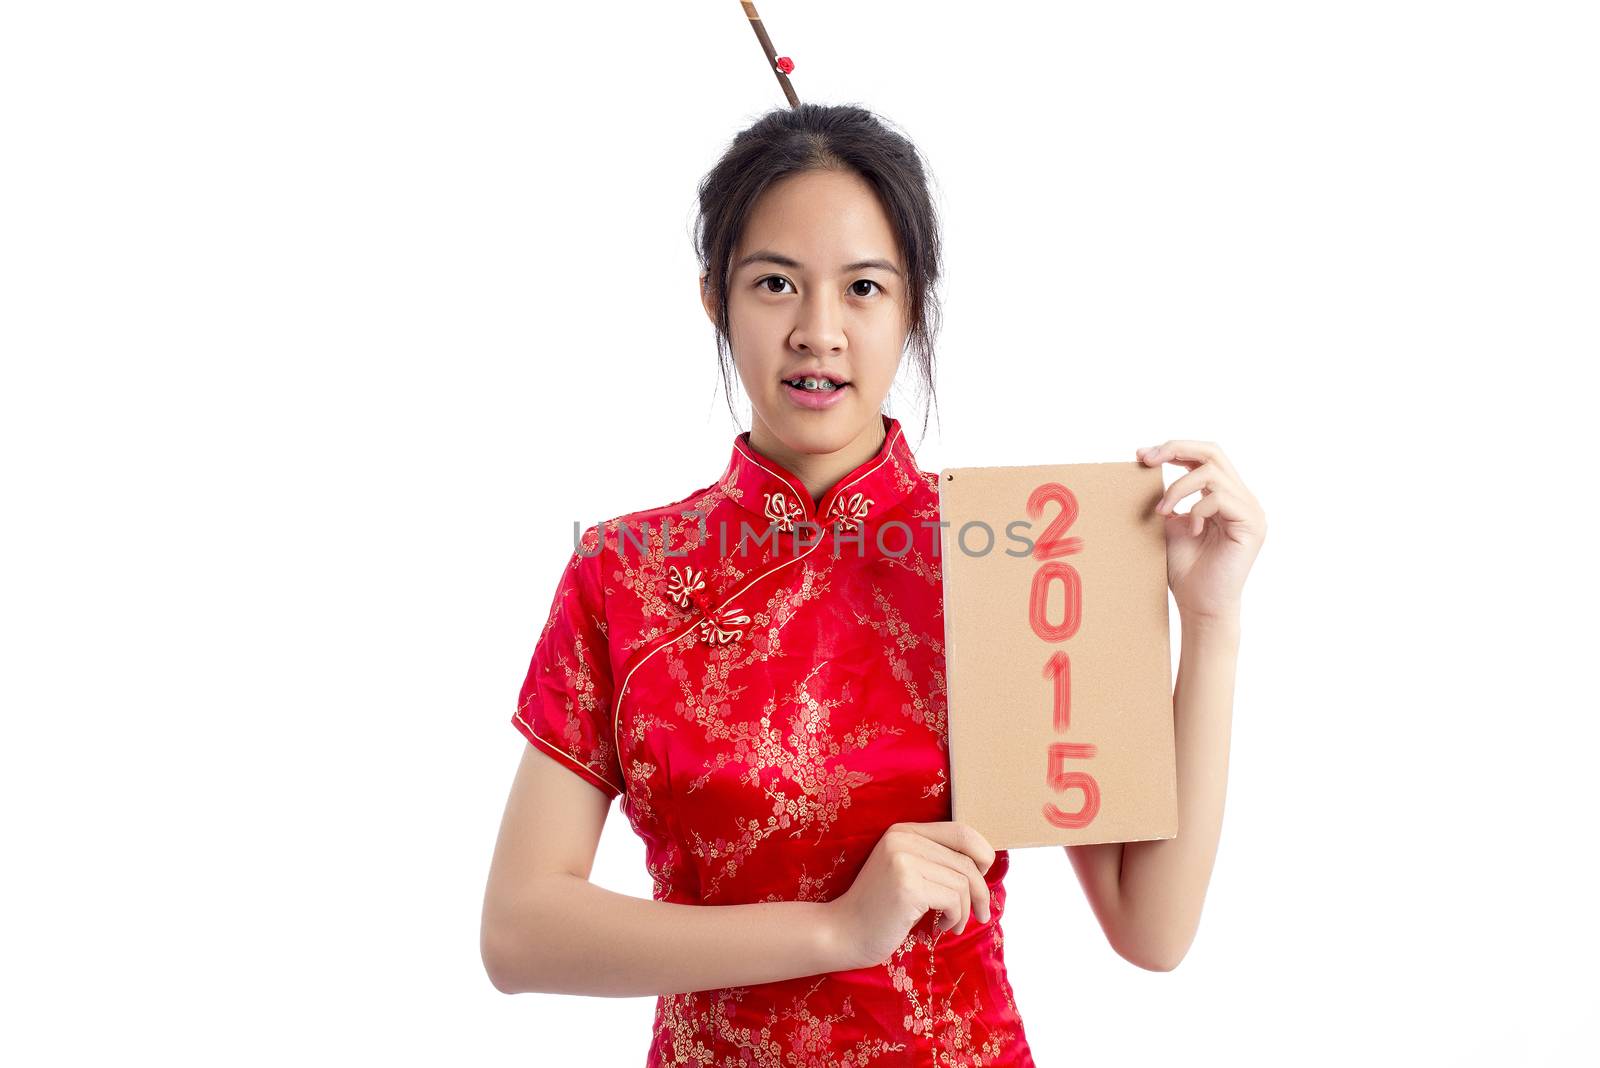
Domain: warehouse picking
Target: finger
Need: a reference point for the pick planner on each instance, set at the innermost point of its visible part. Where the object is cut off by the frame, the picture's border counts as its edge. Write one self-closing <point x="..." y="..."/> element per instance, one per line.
<point x="956" y="918"/>
<point x="948" y="900"/>
<point x="953" y="834"/>
<point x="1183" y="452"/>
<point x="962" y="867"/>
<point x="1206" y="476"/>
<point x="960" y="864"/>
<point x="1228" y="505"/>
<point x="1187" y="453"/>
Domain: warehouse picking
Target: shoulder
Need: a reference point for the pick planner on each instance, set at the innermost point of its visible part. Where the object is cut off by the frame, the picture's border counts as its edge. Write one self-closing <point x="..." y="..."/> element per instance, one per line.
<point x="684" y="509"/>
<point x="921" y="502"/>
<point x="631" y="534"/>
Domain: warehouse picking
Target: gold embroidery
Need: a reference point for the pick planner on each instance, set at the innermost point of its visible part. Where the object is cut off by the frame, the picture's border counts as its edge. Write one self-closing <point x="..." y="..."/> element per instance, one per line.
<point x="682" y="584"/>
<point x="782" y="511"/>
<point x="850" y="513"/>
<point x="723" y="626"/>
<point x="806" y="753"/>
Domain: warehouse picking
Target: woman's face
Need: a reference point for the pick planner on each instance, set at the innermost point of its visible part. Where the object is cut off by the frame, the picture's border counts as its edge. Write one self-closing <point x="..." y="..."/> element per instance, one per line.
<point x="817" y="287"/>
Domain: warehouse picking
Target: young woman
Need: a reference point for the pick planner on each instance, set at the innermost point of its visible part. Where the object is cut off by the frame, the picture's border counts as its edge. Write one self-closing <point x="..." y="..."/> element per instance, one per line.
<point x="757" y="670"/>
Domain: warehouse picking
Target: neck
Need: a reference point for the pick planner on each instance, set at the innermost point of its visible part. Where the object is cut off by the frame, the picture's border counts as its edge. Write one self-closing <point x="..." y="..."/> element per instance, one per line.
<point x="819" y="472"/>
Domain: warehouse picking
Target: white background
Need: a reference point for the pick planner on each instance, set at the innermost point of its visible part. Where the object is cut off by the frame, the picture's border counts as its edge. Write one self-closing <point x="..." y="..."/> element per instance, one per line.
<point x="322" y="323"/>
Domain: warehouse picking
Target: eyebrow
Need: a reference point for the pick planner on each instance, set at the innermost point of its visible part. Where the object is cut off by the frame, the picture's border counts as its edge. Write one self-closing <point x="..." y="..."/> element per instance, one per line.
<point x="768" y="256"/>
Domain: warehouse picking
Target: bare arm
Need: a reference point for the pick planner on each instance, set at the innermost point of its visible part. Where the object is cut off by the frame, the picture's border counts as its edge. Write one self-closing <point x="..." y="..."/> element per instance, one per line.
<point x="1148" y="895"/>
<point x="546" y="928"/>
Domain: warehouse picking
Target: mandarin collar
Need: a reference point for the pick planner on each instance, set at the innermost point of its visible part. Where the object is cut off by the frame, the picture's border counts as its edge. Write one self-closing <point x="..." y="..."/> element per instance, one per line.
<point x="773" y="492"/>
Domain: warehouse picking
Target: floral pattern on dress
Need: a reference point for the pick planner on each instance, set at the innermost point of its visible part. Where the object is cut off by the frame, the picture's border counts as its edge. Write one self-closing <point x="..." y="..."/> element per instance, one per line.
<point x="766" y="710"/>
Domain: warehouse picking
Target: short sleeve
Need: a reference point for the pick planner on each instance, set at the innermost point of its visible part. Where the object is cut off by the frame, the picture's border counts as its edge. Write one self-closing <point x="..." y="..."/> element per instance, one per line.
<point x="565" y="704"/>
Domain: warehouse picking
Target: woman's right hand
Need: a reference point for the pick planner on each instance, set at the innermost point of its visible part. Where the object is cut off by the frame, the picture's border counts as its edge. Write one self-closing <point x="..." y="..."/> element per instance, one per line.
<point x="915" y="867"/>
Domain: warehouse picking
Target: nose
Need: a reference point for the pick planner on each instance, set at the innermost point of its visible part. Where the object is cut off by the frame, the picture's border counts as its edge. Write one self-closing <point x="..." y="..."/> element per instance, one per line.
<point x="820" y="328"/>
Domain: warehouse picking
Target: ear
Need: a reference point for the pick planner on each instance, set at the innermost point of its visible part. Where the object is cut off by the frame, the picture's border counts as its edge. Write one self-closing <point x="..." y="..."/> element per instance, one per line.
<point x="707" y="298"/>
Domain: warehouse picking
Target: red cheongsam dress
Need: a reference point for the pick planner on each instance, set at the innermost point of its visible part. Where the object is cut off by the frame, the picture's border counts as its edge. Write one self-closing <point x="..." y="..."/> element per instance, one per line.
<point x="761" y="678"/>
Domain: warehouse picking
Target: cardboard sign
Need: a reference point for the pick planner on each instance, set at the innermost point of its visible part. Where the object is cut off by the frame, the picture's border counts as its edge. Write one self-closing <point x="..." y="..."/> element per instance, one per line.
<point x="1058" y="653"/>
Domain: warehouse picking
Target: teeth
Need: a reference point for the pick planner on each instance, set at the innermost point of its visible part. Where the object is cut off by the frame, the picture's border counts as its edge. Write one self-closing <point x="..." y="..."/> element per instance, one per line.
<point x="815" y="385"/>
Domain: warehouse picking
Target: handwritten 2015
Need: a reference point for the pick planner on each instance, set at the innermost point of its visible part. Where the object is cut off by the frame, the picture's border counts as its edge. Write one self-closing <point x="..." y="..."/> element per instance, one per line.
<point x="1051" y="546"/>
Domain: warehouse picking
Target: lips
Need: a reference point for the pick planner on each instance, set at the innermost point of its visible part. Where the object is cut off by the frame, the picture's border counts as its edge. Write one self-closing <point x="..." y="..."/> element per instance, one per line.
<point x="832" y="376"/>
<point x="815" y="398"/>
<point x="837" y="386"/>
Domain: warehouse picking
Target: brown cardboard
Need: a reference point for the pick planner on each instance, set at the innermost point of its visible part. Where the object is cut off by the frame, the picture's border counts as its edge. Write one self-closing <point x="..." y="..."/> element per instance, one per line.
<point x="1113" y="666"/>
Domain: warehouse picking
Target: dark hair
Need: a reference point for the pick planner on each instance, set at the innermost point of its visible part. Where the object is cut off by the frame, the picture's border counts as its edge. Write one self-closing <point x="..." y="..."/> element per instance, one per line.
<point x="813" y="137"/>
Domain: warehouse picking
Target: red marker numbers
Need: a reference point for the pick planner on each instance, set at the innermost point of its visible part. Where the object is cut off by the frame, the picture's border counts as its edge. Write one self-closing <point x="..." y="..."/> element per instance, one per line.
<point x="1052" y="544"/>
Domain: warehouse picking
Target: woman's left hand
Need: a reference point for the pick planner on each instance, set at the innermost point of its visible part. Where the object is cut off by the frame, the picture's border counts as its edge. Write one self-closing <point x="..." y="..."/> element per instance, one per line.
<point x="1210" y="547"/>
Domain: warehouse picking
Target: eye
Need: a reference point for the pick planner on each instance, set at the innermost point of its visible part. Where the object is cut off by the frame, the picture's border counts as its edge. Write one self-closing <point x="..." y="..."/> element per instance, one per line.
<point x="784" y="281"/>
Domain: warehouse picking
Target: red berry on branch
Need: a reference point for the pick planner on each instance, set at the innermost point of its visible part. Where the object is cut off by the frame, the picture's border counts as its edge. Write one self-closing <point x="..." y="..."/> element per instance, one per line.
<point x="785" y="64"/>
